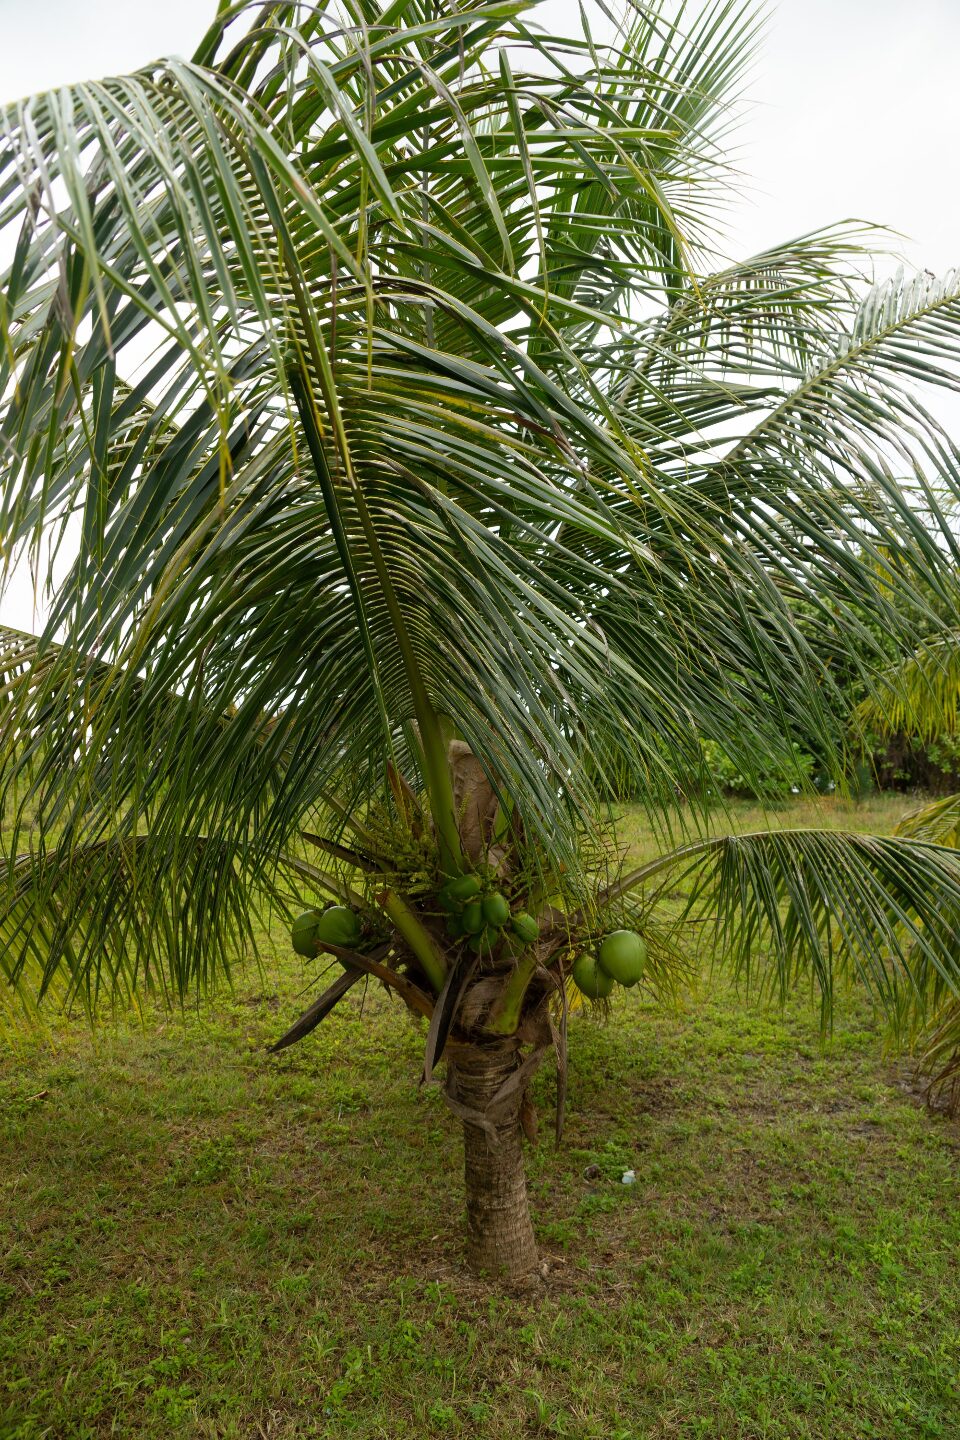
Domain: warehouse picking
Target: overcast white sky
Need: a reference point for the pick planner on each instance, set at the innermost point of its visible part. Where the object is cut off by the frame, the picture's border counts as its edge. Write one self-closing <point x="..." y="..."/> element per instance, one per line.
<point x="855" y="113"/>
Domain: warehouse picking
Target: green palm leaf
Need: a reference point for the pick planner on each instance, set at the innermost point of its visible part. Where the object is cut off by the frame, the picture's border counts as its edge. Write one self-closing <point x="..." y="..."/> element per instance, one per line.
<point x="938" y="822"/>
<point x="832" y="906"/>
<point x="919" y="695"/>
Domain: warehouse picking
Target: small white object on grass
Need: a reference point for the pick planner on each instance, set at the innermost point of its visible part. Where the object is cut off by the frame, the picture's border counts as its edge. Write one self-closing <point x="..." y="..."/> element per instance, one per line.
<point x="629" y="1178"/>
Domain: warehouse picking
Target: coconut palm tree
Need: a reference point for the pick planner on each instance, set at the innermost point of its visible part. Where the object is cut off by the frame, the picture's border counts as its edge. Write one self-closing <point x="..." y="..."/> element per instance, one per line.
<point x="406" y="467"/>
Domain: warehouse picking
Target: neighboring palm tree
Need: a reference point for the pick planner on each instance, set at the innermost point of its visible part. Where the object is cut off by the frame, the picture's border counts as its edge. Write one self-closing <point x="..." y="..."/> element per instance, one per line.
<point x="919" y="695"/>
<point x="424" y="474"/>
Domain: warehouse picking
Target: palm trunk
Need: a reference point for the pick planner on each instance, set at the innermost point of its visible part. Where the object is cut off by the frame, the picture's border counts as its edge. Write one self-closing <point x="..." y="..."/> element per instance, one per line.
<point x="499" y="1233"/>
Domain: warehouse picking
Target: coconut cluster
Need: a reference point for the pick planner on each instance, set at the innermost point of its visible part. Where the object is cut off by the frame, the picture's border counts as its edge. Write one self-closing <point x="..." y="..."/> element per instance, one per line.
<point x="314" y="930"/>
<point x="620" y="960"/>
<point x="482" y="917"/>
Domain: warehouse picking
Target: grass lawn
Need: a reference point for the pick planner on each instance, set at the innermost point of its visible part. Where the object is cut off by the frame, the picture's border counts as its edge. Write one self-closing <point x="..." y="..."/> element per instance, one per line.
<point x="197" y="1239"/>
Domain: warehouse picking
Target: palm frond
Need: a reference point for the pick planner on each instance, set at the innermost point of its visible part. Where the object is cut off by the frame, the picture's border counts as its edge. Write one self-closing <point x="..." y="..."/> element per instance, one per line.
<point x="98" y="922"/>
<point x="937" y="822"/>
<point x="809" y="441"/>
<point x="189" y="224"/>
<point x="376" y="382"/>
<point x="938" y="1042"/>
<point x="920" y="695"/>
<point x="939" y="1058"/>
<point x="781" y="906"/>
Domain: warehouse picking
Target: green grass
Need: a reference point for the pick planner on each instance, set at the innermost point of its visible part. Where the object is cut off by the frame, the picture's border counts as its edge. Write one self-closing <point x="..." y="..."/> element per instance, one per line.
<point x="199" y="1240"/>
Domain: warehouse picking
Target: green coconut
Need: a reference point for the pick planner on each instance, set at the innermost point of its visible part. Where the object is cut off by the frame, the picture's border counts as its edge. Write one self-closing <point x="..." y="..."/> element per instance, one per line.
<point x="484" y="940"/>
<point x="339" y="926"/>
<point x="447" y="902"/>
<point x="524" y="927"/>
<point x="622" y="956"/>
<point x="303" y="933"/>
<point x="463" y="888"/>
<point x="496" y="911"/>
<point x="472" y="917"/>
<point x="455" y="927"/>
<point x="595" y="983"/>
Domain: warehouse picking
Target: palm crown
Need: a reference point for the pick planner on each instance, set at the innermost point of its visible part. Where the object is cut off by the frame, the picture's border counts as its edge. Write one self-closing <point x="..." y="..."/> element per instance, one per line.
<point x="425" y="470"/>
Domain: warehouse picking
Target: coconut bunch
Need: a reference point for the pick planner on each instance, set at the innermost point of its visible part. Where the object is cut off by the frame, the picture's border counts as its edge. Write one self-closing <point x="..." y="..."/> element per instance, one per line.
<point x="496" y="951"/>
<point x="620" y="959"/>
<point x="315" y="930"/>
<point x="481" y="916"/>
<point x="482" y="920"/>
